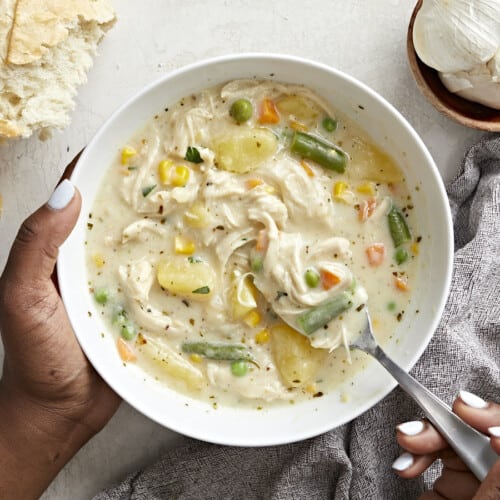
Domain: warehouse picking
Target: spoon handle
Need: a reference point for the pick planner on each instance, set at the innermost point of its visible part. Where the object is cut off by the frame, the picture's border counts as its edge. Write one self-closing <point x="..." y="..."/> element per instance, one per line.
<point x="469" y="444"/>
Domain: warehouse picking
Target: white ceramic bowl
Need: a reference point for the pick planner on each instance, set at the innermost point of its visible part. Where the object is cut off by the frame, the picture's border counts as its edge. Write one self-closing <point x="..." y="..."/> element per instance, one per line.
<point x="287" y="423"/>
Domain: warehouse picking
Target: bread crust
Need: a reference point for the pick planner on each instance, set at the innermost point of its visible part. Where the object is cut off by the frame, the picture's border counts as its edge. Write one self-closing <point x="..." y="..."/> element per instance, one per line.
<point x="39" y="25"/>
<point x="45" y="41"/>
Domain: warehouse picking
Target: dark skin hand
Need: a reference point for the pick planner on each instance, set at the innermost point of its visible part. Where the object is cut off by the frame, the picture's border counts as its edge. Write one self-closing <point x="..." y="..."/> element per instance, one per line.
<point x="456" y="481"/>
<point x="51" y="400"/>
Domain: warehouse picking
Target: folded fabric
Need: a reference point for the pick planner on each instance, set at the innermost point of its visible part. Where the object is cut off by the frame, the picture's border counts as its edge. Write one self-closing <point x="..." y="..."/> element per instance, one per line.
<point x="354" y="461"/>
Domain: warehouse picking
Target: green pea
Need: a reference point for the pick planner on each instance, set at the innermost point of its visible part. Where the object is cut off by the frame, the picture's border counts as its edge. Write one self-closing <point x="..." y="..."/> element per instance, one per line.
<point x="329" y="124"/>
<point x="101" y="295"/>
<point x="256" y="262"/>
<point x="128" y="331"/>
<point x="401" y="255"/>
<point x="239" y="368"/>
<point x="241" y="110"/>
<point x="311" y="278"/>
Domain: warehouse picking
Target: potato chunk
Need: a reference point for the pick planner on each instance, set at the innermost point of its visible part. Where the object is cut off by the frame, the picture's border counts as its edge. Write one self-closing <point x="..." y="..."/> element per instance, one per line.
<point x="299" y="108"/>
<point x="368" y="162"/>
<point x="170" y="362"/>
<point x="296" y="360"/>
<point x="243" y="295"/>
<point x="244" y="150"/>
<point x="187" y="277"/>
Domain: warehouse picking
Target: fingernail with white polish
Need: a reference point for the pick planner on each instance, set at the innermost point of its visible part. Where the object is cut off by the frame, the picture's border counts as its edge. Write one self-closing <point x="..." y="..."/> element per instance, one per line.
<point x="62" y="195"/>
<point x="494" y="431"/>
<point x="411" y="428"/>
<point x="403" y="462"/>
<point x="472" y="400"/>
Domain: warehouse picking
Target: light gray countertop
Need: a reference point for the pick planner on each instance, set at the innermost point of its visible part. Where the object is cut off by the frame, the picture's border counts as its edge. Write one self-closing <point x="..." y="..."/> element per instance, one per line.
<point x="365" y="38"/>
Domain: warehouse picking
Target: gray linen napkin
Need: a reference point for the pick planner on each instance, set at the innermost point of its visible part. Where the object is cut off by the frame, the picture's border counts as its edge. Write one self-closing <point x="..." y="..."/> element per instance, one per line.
<point x="354" y="461"/>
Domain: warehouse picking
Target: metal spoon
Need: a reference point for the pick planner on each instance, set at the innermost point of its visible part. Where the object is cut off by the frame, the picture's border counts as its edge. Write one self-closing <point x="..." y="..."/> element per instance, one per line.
<point x="469" y="444"/>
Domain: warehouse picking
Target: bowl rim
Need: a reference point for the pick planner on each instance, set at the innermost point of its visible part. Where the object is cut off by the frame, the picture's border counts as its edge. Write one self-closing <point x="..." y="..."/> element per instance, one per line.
<point x="371" y="401"/>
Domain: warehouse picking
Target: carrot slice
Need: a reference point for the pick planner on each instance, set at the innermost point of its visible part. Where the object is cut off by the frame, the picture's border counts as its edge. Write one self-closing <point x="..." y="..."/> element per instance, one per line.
<point x="252" y="183"/>
<point x="366" y="209"/>
<point x="375" y="254"/>
<point x="401" y="284"/>
<point x="125" y="351"/>
<point x="262" y="241"/>
<point x="268" y="113"/>
<point x="328" y="279"/>
<point x="309" y="171"/>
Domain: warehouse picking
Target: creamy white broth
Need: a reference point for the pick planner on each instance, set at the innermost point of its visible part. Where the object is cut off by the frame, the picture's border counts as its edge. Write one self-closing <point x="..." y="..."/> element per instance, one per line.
<point x="174" y="256"/>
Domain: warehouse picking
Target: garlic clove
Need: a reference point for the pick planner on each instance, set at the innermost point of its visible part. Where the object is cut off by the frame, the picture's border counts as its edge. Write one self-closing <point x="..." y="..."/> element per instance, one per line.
<point x="457" y="35"/>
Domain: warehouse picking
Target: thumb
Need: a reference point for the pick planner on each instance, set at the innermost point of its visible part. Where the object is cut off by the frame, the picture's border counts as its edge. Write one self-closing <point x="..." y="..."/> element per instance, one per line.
<point x="490" y="487"/>
<point x="35" y="249"/>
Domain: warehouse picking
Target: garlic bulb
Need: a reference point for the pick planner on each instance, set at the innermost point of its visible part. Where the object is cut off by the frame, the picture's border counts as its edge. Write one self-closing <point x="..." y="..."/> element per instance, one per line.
<point x="461" y="40"/>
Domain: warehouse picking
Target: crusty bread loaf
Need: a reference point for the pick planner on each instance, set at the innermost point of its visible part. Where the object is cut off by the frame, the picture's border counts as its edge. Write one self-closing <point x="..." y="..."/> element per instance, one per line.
<point x="46" y="49"/>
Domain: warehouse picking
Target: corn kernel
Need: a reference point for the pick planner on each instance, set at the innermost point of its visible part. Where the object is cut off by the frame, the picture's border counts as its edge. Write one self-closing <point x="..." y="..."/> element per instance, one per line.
<point x="179" y="176"/>
<point x="164" y="171"/>
<point x="414" y="248"/>
<point x="195" y="358"/>
<point x="367" y="188"/>
<point x="183" y="245"/>
<point x="298" y="126"/>
<point x="339" y="188"/>
<point x="127" y="153"/>
<point x="342" y="193"/>
<point x="252" y="183"/>
<point x="252" y="318"/>
<point x="344" y="397"/>
<point x="98" y="260"/>
<point x="311" y="388"/>
<point x="262" y="337"/>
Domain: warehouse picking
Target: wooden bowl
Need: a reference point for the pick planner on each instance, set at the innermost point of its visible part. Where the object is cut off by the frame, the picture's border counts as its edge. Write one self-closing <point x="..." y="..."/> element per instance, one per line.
<point x="468" y="113"/>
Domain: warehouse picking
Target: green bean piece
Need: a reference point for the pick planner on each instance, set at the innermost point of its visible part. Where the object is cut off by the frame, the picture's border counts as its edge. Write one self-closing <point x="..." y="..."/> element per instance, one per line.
<point x="239" y="368"/>
<point x="241" y="110"/>
<point x="128" y="331"/>
<point x="401" y="255"/>
<point x="218" y="351"/>
<point x="329" y="124"/>
<point x="319" y="316"/>
<point x="311" y="277"/>
<point x="322" y="152"/>
<point x="397" y="226"/>
<point x="101" y="295"/>
<point x="119" y="315"/>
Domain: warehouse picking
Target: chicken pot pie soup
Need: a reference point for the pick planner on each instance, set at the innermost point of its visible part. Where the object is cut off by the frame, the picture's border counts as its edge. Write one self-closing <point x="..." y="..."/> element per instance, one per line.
<point x="237" y="238"/>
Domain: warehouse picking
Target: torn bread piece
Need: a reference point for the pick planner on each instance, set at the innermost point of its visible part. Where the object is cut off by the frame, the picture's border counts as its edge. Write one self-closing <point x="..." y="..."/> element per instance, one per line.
<point x="46" y="49"/>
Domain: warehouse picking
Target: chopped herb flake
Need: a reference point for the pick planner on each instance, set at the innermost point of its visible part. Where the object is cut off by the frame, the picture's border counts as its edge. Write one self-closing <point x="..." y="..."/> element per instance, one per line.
<point x="194" y="260"/>
<point x="193" y="155"/>
<point x="203" y="290"/>
<point x="147" y="190"/>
